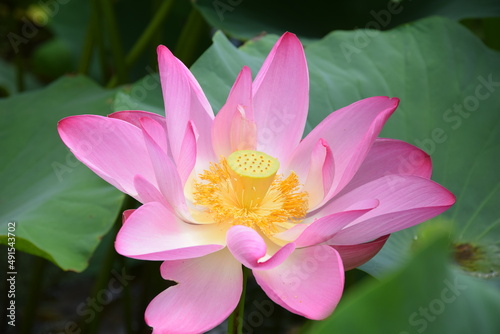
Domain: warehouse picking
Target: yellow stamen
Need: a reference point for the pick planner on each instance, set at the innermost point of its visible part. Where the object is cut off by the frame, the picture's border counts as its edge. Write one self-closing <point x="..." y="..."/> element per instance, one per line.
<point x="244" y="190"/>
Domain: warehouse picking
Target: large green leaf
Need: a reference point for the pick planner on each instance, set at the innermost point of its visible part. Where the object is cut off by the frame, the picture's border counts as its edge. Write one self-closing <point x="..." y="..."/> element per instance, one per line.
<point x="426" y="295"/>
<point x="315" y="19"/>
<point x="61" y="209"/>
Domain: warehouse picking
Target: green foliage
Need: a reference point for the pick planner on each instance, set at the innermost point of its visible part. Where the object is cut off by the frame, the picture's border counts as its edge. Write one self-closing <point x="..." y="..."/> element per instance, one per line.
<point x="61" y="208"/>
<point x="315" y="19"/>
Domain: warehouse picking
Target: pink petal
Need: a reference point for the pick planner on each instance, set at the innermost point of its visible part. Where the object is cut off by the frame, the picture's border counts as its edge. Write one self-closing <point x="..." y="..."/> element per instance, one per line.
<point x="350" y="133"/>
<point x="320" y="174"/>
<point x="208" y="290"/>
<point x="156" y="132"/>
<point x="152" y="232"/>
<point x="126" y="214"/>
<point x="187" y="159"/>
<point x="134" y="117"/>
<point x="281" y="98"/>
<point x="325" y="228"/>
<point x="112" y="148"/>
<point x="405" y="200"/>
<point x="355" y="255"/>
<point x="169" y="181"/>
<point x="251" y="250"/>
<point x="308" y="283"/>
<point x="184" y="102"/>
<point x="149" y="193"/>
<point x="390" y="156"/>
<point x="233" y="128"/>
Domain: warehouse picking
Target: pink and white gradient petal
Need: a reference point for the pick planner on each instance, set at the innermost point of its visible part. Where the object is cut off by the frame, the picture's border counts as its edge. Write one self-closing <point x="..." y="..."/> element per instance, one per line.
<point x="320" y="174"/>
<point x="326" y="227"/>
<point x="233" y="128"/>
<point x="208" y="290"/>
<point x="350" y="133"/>
<point x="187" y="159"/>
<point x="388" y="157"/>
<point x="281" y="98"/>
<point x="184" y="101"/>
<point x="134" y="117"/>
<point x="149" y="193"/>
<point x="152" y="232"/>
<point x="309" y="282"/>
<point x="405" y="200"/>
<point x="169" y="181"/>
<point x="114" y="149"/>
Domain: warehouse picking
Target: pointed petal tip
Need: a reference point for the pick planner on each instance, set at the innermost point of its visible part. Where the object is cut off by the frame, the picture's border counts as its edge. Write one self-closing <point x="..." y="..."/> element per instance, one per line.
<point x="163" y="50"/>
<point x="290" y="36"/>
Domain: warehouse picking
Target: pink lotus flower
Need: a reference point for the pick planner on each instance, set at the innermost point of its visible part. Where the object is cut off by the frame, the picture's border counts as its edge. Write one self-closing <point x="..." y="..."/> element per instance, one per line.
<point x="243" y="188"/>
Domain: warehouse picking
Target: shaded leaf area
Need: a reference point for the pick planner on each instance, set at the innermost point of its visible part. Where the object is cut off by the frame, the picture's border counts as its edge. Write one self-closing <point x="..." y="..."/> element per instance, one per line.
<point x="315" y="19"/>
<point x="424" y="296"/>
<point x="8" y="80"/>
<point x="61" y="209"/>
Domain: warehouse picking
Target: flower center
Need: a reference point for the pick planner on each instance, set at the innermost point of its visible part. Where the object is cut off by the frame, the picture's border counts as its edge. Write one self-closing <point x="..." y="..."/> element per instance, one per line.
<point x="245" y="190"/>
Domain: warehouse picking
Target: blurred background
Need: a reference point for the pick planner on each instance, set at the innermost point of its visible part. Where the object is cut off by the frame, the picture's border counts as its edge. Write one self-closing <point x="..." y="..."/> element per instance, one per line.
<point x="66" y="57"/>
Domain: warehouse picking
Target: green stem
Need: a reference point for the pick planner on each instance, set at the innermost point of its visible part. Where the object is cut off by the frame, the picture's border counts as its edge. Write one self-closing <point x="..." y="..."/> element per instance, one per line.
<point x="190" y="37"/>
<point x="235" y="321"/>
<point x="114" y="38"/>
<point x="146" y="37"/>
